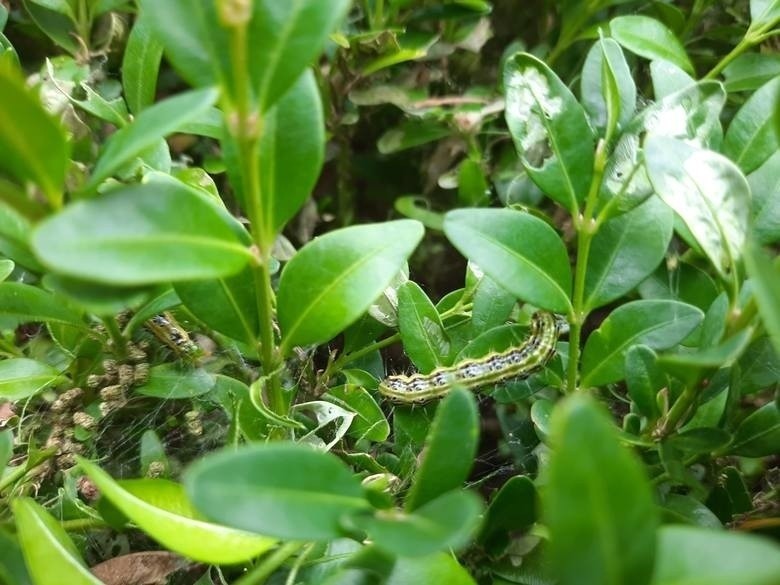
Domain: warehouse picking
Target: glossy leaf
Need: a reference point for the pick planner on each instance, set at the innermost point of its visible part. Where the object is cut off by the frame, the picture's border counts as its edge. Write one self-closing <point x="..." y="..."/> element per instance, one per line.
<point x="147" y="129"/>
<point x="598" y="504"/>
<point x="446" y="522"/>
<point x="765" y="210"/>
<point x="422" y="332"/>
<point x="626" y="250"/>
<point x="440" y="568"/>
<point x="731" y="558"/>
<point x="12" y="568"/>
<point x="650" y="39"/>
<point x="707" y="191"/>
<point x="169" y="381"/>
<point x="285" y="490"/>
<point x="284" y="38"/>
<point x="519" y="251"/>
<point x="513" y="509"/>
<point x="227" y="305"/>
<point x="606" y="59"/>
<point x="161" y="509"/>
<point x="656" y="324"/>
<point x="750" y="71"/>
<point x="411" y="133"/>
<point x="28" y="303"/>
<point x="751" y="137"/>
<point x="291" y="152"/>
<point x="764" y="12"/>
<point x="6" y="448"/>
<point x="550" y="130"/>
<point x="668" y="78"/>
<point x="32" y="143"/>
<point x="644" y="379"/>
<point x="449" y="450"/>
<point x="759" y="434"/>
<point x="21" y="378"/>
<point x="15" y="237"/>
<point x="155" y="232"/>
<point x="140" y="65"/>
<point x="765" y="275"/>
<point x="52" y="558"/>
<point x="690" y="510"/>
<point x="491" y="306"/>
<point x="369" y="422"/>
<point x="333" y="280"/>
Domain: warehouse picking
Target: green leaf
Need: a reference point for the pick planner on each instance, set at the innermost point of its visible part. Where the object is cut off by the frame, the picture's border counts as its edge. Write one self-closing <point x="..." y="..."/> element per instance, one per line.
<point x="446" y="522"/>
<point x="32" y="144"/>
<point x="691" y="114"/>
<point x="27" y="303"/>
<point x="668" y="79"/>
<point x="765" y="210"/>
<point x="606" y="59"/>
<point x="141" y="65"/>
<point x="98" y="299"/>
<point x="650" y="39"/>
<point x="759" y="434"/>
<point x="370" y="422"/>
<point x="491" y="306"/>
<point x="161" y="509"/>
<point x="6" y="448"/>
<point x="155" y="232"/>
<point x="57" y="26"/>
<point x="170" y="381"/>
<point x="625" y="251"/>
<point x="283" y="40"/>
<point x="656" y="324"/>
<point x="750" y="71"/>
<point x="333" y="280"/>
<point x="422" y="332"/>
<point x="687" y="509"/>
<point x="15" y="236"/>
<point x="449" y="452"/>
<point x="152" y="124"/>
<point x="751" y="138"/>
<point x="550" y="130"/>
<point x="411" y="133"/>
<point x="6" y="268"/>
<point x="286" y="490"/>
<point x="473" y="188"/>
<point x="21" y="378"/>
<point x="12" y="568"/>
<point x="765" y="276"/>
<point x="52" y="558"/>
<point x="519" y="251"/>
<point x="644" y="379"/>
<point x="513" y="509"/>
<point x="598" y="505"/>
<point x="707" y="191"/>
<point x="227" y="305"/>
<point x="764" y="13"/>
<point x="292" y="149"/>
<point x="731" y="558"/>
<point x="440" y="568"/>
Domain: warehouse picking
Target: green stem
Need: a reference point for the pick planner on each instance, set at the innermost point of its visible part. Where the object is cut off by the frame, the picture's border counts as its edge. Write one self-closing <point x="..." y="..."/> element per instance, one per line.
<point x="586" y="230"/>
<point x="246" y="127"/>
<point x="120" y="343"/>
<point x="83" y="524"/>
<point x="267" y="566"/>
<point x="751" y="38"/>
<point x="351" y="357"/>
<point x="681" y="406"/>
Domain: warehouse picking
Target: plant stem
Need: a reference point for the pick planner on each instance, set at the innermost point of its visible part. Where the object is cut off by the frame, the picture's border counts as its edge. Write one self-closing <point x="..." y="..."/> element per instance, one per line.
<point x="586" y="229"/>
<point x="681" y="406"/>
<point x="245" y="125"/>
<point x="752" y="37"/>
<point x="267" y="566"/>
<point x="120" y="343"/>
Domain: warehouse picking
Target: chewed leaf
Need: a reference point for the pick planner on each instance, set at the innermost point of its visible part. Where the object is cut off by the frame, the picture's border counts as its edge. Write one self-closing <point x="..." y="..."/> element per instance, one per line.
<point x="550" y="130"/>
<point x="707" y="191"/>
<point x="691" y="114"/>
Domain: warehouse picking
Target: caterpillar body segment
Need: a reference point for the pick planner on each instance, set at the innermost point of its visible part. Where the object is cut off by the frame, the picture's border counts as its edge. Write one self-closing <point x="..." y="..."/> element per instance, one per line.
<point x="514" y="363"/>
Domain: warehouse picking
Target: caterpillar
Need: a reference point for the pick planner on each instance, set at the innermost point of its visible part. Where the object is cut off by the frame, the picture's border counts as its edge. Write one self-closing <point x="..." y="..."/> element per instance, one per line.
<point x="516" y="362"/>
<point x="165" y="328"/>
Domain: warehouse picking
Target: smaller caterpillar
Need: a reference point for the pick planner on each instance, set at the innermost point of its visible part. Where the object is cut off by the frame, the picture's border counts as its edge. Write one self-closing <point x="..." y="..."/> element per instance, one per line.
<point x="516" y="362"/>
<point x="165" y="328"/>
